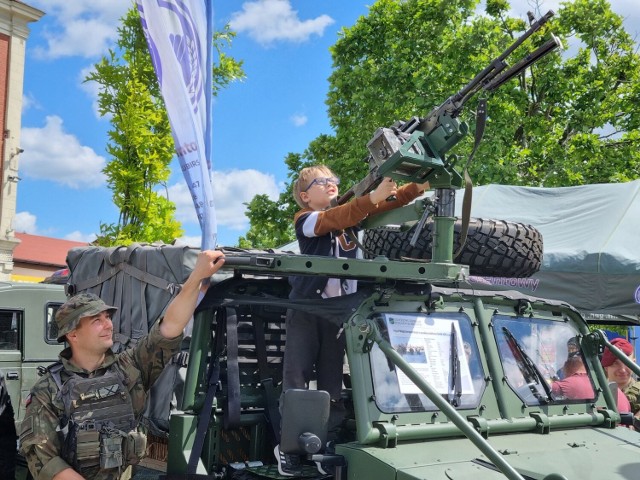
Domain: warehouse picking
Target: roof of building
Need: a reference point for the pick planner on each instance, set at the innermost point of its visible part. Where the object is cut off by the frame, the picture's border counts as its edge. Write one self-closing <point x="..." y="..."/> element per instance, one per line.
<point x="43" y="250"/>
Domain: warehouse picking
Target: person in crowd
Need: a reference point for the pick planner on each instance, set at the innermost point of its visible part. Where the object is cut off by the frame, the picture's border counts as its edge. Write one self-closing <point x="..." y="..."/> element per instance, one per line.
<point x="81" y="416"/>
<point x="618" y="372"/>
<point x="572" y="347"/>
<point x="576" y="384"/>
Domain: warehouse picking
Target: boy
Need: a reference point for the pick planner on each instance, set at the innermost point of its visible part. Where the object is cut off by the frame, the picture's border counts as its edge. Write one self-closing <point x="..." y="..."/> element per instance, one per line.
<point x="312" y="341"/>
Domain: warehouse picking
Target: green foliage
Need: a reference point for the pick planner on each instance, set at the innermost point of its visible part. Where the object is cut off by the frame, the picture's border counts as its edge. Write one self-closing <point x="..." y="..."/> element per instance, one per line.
<point x="272" y="221"/>
<point x="227" y="69"/>
<point x="571" y="119"/>
<point x="275" y="221"/>
<point x="140" y="142"/>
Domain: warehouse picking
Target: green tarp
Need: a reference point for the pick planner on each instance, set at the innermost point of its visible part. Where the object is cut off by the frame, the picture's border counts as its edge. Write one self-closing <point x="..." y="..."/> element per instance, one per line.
<point x="591" y="239"/>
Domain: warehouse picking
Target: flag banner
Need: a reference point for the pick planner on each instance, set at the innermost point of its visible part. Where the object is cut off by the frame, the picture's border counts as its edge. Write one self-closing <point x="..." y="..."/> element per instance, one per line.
<point x="179" y="36"/>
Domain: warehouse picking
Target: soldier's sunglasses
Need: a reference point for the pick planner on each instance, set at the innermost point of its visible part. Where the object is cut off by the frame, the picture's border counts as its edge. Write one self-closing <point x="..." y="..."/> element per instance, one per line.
<point x="322" y="181"/>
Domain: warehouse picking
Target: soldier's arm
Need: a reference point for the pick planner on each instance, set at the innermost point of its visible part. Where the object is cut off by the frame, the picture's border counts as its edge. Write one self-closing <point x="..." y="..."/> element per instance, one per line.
<point x="39" y="442"/>
<point x="633" y="394"/>
<point x="154" y="351"/>
<point x="182" y="307"/>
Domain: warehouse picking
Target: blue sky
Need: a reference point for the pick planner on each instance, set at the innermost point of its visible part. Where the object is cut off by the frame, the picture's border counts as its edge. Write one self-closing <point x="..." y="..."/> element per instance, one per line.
<point x="278" y="108"/>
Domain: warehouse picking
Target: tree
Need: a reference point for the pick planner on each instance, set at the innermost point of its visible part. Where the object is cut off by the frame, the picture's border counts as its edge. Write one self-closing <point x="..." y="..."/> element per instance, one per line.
<point x="271" y="222"/>
<point x="569" y="120"/>
<point x="140" y="142"/>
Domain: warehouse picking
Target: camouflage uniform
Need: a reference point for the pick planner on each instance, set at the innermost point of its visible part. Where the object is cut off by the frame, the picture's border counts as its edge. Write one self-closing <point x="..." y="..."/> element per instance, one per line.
<point x="632" y="391"/>
<point x="39" y="440"/>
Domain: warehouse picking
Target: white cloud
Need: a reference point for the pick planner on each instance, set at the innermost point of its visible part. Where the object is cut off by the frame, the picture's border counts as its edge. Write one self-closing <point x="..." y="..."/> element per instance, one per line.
<point x="78" y="236"/>
<point x="299" y="120"/>
<point x="269" y="21"/>
<point x="25" y="222"/>
<point x="52" y="154"/>
<point x="627" y="9"/>
<point x="29" y="101"/>
<point x="80" y="27"/>
<point x="231" y="190"/>
<point x="190" y="241"/>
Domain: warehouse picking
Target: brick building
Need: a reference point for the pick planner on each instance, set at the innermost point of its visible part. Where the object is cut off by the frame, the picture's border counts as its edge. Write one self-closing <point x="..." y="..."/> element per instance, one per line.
<point x="14" y="19"/>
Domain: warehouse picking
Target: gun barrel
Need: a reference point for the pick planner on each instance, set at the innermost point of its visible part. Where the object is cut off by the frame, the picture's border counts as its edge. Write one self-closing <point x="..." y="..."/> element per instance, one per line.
<point x="499" y="64"/>
<point x="531" y="58"/>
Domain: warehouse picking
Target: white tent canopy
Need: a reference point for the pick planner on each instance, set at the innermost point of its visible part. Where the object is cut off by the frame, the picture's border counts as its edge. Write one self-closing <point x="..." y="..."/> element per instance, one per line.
<point x="591" y="237"/>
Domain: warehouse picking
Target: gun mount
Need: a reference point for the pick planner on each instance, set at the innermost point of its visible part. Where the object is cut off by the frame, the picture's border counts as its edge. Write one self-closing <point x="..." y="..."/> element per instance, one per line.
<point x="414" y="150"/>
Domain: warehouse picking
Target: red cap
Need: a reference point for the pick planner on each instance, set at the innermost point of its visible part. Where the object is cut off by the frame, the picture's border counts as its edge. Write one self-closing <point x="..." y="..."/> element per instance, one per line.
<point x="621" y="344"/>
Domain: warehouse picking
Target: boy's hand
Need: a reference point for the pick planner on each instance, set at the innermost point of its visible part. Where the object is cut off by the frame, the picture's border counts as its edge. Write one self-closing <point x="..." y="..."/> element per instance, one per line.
<point x="386" y="189"/>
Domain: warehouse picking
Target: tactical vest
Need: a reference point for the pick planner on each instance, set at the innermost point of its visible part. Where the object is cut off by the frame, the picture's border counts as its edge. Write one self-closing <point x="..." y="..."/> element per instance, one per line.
<point x="98" y="427"/>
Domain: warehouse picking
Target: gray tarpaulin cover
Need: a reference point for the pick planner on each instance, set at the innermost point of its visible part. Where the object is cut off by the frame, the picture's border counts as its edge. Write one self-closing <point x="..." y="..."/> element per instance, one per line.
<point x="591" y="237"/>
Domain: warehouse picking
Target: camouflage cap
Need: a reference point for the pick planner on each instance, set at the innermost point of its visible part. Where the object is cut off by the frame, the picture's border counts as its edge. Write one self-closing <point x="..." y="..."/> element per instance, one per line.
<point x="78" y="306"/>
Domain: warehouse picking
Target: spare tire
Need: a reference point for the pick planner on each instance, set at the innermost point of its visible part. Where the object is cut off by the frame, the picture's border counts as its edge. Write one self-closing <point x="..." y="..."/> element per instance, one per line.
<point x="494" y="248"/>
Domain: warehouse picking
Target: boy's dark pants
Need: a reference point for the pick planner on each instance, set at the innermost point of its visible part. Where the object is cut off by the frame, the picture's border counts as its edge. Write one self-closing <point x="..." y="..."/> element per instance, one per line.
<point x="311" y="342"/>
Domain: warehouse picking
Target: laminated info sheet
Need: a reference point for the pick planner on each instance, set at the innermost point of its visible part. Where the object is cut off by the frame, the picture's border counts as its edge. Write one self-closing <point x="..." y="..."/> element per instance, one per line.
<point x="425" y="343"/>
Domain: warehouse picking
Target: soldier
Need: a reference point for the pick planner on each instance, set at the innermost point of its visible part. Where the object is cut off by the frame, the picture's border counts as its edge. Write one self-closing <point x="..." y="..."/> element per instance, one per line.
<point x="621" y="374"/>
<point x="8" y="435"/>
<point x="81" y="417"/>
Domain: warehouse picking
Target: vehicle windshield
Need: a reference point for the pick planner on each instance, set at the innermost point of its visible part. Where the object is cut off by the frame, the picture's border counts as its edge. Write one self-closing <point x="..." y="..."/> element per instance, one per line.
<point x="542" y="360"/>
<point x="425" y="342"/>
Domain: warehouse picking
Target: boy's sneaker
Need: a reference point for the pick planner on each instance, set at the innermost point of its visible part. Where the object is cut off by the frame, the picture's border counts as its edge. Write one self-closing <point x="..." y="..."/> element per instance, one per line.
<point x="288" y="465"/>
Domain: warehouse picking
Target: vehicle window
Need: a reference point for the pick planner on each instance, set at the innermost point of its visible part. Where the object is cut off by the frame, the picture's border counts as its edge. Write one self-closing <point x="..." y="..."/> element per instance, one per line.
<point x="9" y="323"/>
<point x="442" y="348"/>
<point x="51" y="334"/>
<point x="542" y="360"/>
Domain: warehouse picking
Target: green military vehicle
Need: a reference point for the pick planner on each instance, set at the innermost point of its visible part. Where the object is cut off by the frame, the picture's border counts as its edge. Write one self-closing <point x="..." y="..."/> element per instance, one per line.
<point x="26" y="345"/>
<point x="442" y="381"/>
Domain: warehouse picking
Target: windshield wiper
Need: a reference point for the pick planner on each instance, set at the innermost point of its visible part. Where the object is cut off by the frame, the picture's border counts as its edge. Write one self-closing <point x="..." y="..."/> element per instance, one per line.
<point x="528" y="368"/>
<point x="455" y="375"/>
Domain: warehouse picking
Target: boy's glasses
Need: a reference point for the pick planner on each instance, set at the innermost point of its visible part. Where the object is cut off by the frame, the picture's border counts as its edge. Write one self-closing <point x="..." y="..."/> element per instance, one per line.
<point x="323" y="181"/>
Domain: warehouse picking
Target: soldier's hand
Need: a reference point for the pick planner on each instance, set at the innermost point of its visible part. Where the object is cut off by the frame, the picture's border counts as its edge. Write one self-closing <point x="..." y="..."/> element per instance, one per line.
<point x="208" y="263"/>
<point x="386" y="189"/>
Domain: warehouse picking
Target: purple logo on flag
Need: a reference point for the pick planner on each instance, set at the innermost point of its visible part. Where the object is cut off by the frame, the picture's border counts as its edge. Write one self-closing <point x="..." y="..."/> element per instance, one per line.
<point x="185" y="49"/>
<point x="184" y="41"/>
<point x="637" y="295"/>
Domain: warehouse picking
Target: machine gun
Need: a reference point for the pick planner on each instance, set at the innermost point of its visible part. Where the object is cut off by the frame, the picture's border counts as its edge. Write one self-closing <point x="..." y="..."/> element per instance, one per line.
<point x="414" y="150"/>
